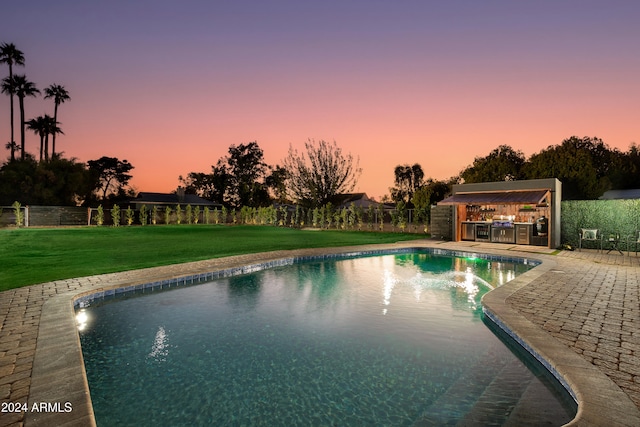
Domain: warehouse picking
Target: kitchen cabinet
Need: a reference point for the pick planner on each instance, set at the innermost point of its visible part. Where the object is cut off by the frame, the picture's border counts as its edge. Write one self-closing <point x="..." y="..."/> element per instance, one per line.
<point x="524" y="233"/>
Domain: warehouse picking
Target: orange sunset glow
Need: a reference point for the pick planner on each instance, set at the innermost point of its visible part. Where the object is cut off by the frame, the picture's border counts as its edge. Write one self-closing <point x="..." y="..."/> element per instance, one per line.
<point x="169" y="86"/>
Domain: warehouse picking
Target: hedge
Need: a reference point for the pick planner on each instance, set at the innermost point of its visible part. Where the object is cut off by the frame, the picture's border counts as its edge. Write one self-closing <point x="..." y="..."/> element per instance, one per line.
<point x="609" y="216"/>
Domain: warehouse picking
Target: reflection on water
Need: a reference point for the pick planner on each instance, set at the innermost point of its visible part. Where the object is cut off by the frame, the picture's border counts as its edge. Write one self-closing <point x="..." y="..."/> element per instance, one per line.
<point x="82" y="319"/>
<point x="160" y="348"/>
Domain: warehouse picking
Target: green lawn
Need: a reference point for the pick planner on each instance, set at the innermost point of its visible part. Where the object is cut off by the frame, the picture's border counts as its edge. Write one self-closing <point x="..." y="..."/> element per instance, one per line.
<point x="30" y="256"/>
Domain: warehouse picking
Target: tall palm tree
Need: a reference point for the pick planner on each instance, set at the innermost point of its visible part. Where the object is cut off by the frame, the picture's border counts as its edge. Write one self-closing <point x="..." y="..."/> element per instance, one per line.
<point x="7" y="87"/>
<point x="23" y="88"/>
<point x="51" y="129"/>
<point x="10" y="55"/>
<point x="59" y="95"/>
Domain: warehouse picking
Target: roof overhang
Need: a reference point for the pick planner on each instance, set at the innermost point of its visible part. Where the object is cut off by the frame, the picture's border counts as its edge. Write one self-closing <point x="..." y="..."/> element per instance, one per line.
<point x="533" y="197"/>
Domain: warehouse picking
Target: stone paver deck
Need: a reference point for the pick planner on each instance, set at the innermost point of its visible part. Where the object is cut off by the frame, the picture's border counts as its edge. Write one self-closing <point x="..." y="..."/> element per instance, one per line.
<point x="580" y="311"/>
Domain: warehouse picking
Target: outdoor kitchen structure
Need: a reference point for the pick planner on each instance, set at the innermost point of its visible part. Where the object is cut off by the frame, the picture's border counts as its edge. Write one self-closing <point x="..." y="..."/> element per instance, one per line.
<point x="515" y="212"/>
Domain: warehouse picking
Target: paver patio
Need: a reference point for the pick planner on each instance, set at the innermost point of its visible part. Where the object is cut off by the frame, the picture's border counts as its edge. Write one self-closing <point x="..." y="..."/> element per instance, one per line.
<point x="581" y="310"/>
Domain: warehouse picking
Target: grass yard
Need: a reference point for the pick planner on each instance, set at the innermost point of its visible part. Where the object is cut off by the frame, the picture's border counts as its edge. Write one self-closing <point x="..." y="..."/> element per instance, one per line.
<point x="30" y="256"/>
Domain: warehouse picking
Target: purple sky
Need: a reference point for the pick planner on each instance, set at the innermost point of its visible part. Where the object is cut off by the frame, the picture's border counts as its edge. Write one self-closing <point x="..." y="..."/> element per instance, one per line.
<point x="170" y="86"/>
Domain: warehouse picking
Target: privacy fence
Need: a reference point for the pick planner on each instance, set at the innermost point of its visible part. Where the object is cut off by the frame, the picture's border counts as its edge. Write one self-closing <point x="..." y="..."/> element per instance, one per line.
<point x="609" y="216"/>
<point x="43" y="216"/>
<point x="347" y="218"/>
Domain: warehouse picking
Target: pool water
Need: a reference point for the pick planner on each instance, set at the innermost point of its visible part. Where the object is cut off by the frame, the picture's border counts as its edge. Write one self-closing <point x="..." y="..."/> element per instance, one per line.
<point x="379" y="340"/>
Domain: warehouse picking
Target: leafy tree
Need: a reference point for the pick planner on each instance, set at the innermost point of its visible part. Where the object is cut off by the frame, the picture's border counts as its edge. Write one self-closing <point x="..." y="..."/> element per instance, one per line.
<point x="322" y="173"/>
<point x="421" y="201"/>
<point x="110" y="175"/>
<point x="276" y="181"/>
<point x="407" y="179"/>
<point x="17" y="179"/>
<point x="61" y="182"/>
<point x="582" y="165"/>
<point x="438" y="190"/>
<point x="247" y="171"/>
<point x="210" y="186"/>
<point x="502" y="164"/>
<point x="625" y="173"/>
<point x="237" y="180"/>
<point x="11" y="56"/>
<point x="59" y="95"/>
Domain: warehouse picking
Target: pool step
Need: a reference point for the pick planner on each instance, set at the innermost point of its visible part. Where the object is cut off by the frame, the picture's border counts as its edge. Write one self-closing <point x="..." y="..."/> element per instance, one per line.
<point x="482" y="398"/>
<point x="496" y="405"/>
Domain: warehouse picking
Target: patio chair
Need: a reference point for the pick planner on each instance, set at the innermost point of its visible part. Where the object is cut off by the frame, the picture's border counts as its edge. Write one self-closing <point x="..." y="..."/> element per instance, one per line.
<point x="634" y="240"/>
<point x="589" y="235"/>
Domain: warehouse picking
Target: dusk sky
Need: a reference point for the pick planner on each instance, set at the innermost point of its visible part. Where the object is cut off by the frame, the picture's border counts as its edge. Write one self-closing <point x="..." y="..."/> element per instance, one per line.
<point x="170" y="85"/>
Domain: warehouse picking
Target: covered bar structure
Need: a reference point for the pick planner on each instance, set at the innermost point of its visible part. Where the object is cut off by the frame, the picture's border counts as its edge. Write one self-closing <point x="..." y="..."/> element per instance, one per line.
<point x="517" y="212"/>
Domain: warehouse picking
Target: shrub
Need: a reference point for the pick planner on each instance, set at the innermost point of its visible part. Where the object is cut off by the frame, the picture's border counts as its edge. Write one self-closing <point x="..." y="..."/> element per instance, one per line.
<point x="344" y="220"/>
<point x="154" y="215"/>
<point x="100" y="215"/>
<point x="381" y="217"/>
<point x="351" y="216"/>
<point x="178" y="214"/>
<point x="189" y="214"/>
<point x="329" y="215"/>
<point x="283" y="216"/>
<point x="196" y="214"/>
<point x="216" y="216"/>
<point x="167" y="215"/>
<point x="144" y="215"/>
<point x="359" y="217"/>
<point x="610" y="216"/>
<point x="297" y="217"/>
<point x="115" y="215"/>
<point x="206" y="214"/>
<point x="223" y="215"/>
<point x="246" y="214"/>
<point x="370" y="217"/>
<point x="129" y="215"/>
<point x="17" y="210"/>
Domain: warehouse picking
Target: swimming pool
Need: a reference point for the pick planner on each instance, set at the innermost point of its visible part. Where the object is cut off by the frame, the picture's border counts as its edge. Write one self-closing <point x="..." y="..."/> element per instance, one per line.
<point x="392" y="339"/>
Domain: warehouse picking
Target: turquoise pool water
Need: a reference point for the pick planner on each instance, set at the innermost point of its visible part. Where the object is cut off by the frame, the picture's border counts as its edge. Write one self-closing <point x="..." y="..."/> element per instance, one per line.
<point x="393" y="340"/>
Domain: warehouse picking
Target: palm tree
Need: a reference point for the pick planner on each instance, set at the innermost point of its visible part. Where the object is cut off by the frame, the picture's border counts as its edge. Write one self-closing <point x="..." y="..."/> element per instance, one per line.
<point x="59" y="95"/>
<point x="51" y="129"/>
<point x="23" y="88"/>
<point x="12" y="146"/>
<point x="39" y="126"/>
<point x="43" y="126"/>
<point x="10" y="55"/>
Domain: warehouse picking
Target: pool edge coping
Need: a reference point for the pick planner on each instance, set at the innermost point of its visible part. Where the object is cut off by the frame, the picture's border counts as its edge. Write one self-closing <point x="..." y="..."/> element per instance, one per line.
<point x="58" y="345"/>
<point x="600" y="400"/>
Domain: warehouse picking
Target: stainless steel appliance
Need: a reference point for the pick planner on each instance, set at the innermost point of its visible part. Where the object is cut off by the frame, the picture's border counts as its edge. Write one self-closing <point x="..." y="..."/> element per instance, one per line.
<point x="468" y="231"/>
<point x="523" y="234"/>
<point x="503" y="232"/>
<point x="483" y="232"/>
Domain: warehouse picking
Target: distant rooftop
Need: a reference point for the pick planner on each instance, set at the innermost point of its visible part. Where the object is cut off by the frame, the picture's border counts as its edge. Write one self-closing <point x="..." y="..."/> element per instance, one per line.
<point x="621" y="194"/>
<point x="171" y="199"/>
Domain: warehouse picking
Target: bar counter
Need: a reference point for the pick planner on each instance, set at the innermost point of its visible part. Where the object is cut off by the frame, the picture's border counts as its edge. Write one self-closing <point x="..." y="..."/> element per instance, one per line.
<point x="521" y="233"/>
